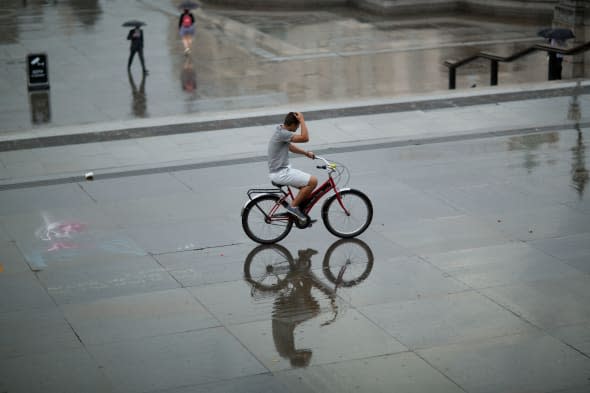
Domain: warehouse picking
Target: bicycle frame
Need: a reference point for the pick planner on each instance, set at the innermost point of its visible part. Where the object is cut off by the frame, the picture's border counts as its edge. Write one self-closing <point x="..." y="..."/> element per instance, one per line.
<point x="288" y="195"/>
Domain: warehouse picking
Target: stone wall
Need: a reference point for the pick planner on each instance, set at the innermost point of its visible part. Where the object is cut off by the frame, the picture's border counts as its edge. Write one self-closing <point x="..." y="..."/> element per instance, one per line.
<point x="407" y="6"/>
<point x="527" y="8"/>
<point x="518" y="8"/>
<point x="278" y="3"/>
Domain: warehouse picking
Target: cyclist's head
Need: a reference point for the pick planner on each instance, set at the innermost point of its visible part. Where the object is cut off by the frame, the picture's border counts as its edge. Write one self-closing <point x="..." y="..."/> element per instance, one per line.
<point x="301" y="358"/>
<point x="291" y="121"/>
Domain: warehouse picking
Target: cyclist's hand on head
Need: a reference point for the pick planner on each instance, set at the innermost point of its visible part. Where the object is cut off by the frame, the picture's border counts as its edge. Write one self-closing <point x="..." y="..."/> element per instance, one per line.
<point x="299" y="116"/>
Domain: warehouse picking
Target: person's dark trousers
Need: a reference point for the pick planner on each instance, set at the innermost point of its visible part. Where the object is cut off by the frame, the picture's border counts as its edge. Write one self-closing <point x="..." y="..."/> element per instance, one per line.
<point x="140" y="54"/>
<point x="555" y="67"/>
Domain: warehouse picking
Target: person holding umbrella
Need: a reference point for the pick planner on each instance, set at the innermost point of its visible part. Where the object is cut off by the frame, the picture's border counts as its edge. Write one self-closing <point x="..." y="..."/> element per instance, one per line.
<point x="556" y="37"/>
<point x="135" y="35"/>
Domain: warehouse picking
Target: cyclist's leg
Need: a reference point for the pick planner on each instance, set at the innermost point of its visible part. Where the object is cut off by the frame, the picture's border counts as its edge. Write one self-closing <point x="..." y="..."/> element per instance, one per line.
<point x="305" y="191"/>
<point x="301" y="180"/>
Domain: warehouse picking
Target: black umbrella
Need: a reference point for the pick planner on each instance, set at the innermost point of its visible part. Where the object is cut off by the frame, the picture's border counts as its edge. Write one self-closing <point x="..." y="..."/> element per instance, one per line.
<point x="133" y="23"/>
<point x="557" y="33"/>
<point x="188" y="5"/>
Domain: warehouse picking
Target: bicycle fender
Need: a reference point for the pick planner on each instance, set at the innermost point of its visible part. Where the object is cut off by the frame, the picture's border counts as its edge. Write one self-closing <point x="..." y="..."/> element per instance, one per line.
<point x="253" y="201"/>
<point x="334" y="195"/>
<point x="340" y="191"/>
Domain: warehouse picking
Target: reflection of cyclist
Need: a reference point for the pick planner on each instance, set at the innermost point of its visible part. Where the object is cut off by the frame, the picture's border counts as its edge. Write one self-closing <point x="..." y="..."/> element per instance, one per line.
<point x="282" y="141"/>
<point x="290" y="309"/>
<point x="294" y="307"/>
<point x="271" y="269"/>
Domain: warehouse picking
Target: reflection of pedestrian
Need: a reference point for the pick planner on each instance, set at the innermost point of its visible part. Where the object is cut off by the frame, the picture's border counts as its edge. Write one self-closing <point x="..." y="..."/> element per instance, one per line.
<point x="579" y="172"/>
<point x="136" y="37"/>
<point x="186" y="29"/>
<point x="556" y="60"/>
<point x="139" y="103"/>
<point x="188" y="76"/>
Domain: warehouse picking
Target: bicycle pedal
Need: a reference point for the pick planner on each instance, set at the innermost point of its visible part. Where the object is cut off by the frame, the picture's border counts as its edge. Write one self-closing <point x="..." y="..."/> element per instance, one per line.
<point x="308" y="223"/>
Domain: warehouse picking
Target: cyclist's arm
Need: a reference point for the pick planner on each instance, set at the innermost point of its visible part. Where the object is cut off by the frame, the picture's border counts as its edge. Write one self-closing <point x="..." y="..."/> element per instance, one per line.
<point x="297" y="150"/>
<point x="304" y="135"/>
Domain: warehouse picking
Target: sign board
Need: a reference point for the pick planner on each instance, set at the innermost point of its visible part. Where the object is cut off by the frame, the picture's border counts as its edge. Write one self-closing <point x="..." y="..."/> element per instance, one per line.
<point x="37" y="71"/>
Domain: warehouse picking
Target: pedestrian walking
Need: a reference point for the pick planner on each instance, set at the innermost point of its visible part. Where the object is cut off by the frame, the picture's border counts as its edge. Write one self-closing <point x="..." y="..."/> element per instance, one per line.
<point x="136" y="37"/>
<point x="556" y="60"/>
<point x="186" y="29"/>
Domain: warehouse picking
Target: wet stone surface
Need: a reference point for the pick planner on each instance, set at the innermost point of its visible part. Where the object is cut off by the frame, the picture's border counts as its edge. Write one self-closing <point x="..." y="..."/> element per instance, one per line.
<point x="448" y="290"/>
<point x="240" y="59"/>
<point x="473" y="276"/>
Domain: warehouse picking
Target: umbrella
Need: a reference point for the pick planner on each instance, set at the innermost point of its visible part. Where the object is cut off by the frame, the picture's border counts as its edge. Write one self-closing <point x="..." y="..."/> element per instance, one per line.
<point x="557" y="33"/>
<point x="188" y="5"/>
<point x="133" y="23"/>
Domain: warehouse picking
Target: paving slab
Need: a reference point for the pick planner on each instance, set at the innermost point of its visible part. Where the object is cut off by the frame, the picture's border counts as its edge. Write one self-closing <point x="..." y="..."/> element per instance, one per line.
<point x="137" y="316"/>
<point x="117" y="276"/>
<point x="301" y="343"/>
<point x="504" y="264"/>
<point x="442" y="320"/>
<point x="404" y="372"/>
<point x="52" y="372"/>
<point x="547" y="303"/>
<point x="460" y="231"/>
<point x="23" y="291"/>
<point x="171" y="361"/>
<point x="498" y="364"/>
<point x="35" y="332"/>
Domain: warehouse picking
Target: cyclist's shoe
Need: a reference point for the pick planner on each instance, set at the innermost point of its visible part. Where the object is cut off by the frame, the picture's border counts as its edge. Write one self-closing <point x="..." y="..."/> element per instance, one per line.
<point x="297" y="213"/>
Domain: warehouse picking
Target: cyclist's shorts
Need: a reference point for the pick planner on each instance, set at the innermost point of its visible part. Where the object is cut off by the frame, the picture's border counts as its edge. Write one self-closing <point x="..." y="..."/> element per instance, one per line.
<point x="291" y="177"/>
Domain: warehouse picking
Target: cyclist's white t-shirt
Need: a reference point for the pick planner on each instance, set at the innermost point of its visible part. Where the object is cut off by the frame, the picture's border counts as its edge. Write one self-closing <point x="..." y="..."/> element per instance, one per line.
<point x="278" y="160"/>
<point x="278" y="149"/>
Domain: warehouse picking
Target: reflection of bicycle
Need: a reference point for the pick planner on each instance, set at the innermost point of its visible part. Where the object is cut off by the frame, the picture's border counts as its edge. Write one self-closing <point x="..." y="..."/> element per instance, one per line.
<point x="346" y="214"/>
<point x="299" y="295"/>
<point x="346" y="263"/>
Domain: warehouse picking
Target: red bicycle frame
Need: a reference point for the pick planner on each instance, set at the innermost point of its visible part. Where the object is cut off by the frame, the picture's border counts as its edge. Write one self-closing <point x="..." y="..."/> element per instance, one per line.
<point x="307" y="205"/>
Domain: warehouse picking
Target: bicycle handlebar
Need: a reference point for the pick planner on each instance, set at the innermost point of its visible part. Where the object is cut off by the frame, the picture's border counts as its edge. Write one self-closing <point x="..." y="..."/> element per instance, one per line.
<point x="327" y="164"/>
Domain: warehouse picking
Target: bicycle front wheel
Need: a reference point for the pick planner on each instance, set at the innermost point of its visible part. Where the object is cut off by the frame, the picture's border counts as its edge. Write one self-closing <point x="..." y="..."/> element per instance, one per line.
<point x="349" y="219"/>
<point x="264" y="221"/>
<point x="348" y="262"/>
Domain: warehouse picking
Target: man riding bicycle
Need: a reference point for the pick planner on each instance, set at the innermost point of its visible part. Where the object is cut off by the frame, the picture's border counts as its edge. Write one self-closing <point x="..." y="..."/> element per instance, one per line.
<point x="280" y="171"/>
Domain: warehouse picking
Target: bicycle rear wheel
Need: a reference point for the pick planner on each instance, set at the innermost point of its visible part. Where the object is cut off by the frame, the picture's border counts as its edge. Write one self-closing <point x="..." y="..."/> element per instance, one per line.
<point x="263" y="223"/>
<point x="350" y="222"/>
<point x="267" y="266"/>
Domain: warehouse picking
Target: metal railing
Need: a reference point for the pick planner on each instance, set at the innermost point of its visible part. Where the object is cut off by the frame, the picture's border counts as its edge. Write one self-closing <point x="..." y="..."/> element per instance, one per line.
<point x="495" y="59"/>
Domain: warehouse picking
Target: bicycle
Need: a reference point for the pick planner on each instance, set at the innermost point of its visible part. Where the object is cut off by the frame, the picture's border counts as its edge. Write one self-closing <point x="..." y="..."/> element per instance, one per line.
<point x="346" y="214"/>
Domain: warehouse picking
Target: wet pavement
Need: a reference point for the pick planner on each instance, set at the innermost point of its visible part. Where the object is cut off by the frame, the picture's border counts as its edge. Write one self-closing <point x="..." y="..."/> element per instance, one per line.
<point x="240" y="60"/>
<point x="474" y="275"/>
